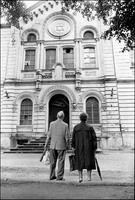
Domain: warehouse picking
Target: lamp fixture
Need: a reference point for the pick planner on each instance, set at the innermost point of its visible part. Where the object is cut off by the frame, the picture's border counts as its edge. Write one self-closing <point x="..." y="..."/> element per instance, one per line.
<point x="7" y="95"/>
<point x="112" y="92"/>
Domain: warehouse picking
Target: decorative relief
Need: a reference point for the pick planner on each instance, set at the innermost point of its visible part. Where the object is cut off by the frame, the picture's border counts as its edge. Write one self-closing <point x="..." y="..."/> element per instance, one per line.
<point x="59" y="27"/>
<point x="39" y="107"/>
<point x="14" y="108"/>
<point x="66" y="17"/>
<point x="104" y="106"/>
<point x="74" y="105"/>
<point x="38" y="79"/>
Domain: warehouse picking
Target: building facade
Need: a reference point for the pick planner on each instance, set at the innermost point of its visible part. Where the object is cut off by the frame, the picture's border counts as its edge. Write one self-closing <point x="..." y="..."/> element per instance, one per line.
<point x="56" y="61"/>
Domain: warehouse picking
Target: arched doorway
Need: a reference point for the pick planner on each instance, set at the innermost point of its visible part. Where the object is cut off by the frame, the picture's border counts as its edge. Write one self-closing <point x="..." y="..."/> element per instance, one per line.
<point x="57" y="103"/>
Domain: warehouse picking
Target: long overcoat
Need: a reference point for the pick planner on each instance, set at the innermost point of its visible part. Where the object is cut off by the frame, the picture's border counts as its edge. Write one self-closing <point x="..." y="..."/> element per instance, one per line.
<point x="85" y="144"/>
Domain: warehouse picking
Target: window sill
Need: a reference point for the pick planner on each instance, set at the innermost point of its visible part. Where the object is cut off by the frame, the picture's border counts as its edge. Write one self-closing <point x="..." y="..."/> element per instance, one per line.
<point x="21" y="126"/>
<point x="33" y="70"/>
<point x="86" y="68"/>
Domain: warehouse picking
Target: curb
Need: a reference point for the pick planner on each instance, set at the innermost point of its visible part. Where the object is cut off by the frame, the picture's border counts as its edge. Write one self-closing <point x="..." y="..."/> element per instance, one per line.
<point x="14" y="181"/>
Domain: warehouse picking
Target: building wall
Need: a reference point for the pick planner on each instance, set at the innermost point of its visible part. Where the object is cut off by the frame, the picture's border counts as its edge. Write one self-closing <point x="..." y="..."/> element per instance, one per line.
<point x="111" y="82"/>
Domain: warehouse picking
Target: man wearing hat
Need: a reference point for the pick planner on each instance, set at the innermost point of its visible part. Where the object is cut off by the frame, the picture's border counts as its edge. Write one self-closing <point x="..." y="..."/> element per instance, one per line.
<point x="59" y="135"/>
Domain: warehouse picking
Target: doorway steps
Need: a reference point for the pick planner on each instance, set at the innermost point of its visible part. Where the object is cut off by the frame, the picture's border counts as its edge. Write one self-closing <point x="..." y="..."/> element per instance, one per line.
<point x="33" y="146"/>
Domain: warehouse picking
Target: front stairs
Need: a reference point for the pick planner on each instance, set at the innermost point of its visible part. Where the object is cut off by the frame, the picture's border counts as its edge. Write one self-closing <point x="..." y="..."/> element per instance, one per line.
<point x="33" y="146"/>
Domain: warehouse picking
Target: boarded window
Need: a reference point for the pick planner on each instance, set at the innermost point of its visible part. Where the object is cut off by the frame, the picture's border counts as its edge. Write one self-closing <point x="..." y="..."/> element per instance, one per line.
<point x="50" y="58"/>
<point x="89" y="57"/>
<point x="68" y="57"/>
<point x="26" y="112"/>
<point x="88" y="35"/>
<point x="92" y="109"/>
<point x="31" y="37"/>
<point x="30" y="60"/>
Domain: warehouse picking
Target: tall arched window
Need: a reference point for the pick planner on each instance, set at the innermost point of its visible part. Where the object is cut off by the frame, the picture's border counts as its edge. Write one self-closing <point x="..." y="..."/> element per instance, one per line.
<point x="89" y="50"/>
<point x="92" y="109"/>
<point x="26" y="112"/>
<point x="31" y="37"/>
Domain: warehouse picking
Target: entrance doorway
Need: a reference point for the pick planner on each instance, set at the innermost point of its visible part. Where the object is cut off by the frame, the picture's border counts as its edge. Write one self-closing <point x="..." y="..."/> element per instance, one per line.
<point x="57" y="103"/>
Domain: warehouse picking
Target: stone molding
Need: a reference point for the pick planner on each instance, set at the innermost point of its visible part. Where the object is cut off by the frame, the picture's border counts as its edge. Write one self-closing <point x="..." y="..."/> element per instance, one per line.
<point x="61" y="90"/>
<point x="93" y="93"/>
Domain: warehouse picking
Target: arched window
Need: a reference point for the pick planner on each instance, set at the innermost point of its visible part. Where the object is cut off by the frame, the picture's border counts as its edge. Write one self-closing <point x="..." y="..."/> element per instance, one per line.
<point x="31" y="37"/>
<point x="92" y="109"/>
<point x="26" y="112"/>
<point x="88" y="35"/>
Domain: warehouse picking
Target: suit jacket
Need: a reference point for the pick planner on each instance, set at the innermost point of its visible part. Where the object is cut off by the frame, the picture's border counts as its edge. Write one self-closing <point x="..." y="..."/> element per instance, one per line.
<point x="59" y="135"/>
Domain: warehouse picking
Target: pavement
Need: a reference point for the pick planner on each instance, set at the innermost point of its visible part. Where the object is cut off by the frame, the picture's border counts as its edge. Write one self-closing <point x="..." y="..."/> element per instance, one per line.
<point x="117" y="168"/>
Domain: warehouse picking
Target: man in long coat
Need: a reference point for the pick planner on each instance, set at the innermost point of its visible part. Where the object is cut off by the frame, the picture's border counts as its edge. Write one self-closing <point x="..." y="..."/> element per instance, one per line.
<point x="84" y="142"/>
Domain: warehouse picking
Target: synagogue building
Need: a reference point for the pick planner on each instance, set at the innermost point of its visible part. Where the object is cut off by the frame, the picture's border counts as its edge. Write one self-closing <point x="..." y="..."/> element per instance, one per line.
<point x="57" y="61"/>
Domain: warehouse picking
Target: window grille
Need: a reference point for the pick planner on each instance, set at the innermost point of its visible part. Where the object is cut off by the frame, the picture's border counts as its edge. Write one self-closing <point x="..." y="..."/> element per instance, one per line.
<point x="26" y="112"/>
<point x="92" y="109"/>
<point x="68" y="57"/>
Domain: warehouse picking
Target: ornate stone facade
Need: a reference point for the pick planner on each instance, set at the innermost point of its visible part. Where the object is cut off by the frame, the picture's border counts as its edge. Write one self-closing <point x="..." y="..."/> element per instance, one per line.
<point x="57" y="62"/>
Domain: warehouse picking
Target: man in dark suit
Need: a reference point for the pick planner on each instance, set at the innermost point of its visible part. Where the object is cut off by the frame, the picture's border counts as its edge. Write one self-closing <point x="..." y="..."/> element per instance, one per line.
<point x="59" y="136"/>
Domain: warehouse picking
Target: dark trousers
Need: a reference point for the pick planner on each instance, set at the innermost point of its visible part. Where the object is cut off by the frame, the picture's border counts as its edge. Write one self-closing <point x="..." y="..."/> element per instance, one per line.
<point x="54" y="155"/>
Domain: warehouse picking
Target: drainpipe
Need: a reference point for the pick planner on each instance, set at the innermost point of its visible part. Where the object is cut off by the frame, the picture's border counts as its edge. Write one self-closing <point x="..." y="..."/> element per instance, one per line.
<point x="121" y="132"/>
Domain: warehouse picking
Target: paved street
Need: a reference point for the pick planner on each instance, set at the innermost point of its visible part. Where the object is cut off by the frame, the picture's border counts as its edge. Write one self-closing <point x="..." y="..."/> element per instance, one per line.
<point x="25" y="177"/>
<point x="117" y="167"/>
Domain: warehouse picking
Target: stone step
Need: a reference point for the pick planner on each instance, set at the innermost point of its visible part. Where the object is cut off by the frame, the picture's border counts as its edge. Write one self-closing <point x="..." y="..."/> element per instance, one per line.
<point x="32" y="151"/>
<point x="40" y="141"/>
<point x="30" y="146"/>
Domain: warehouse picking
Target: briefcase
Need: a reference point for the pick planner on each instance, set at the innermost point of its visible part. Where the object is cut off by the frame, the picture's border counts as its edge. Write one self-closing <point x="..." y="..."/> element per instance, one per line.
<point x="72" y="162"/>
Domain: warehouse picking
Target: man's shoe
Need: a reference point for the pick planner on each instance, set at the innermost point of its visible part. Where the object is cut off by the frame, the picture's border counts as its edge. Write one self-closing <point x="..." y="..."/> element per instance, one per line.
<point x="80" y="180"/>
<point x="53" y="178"/>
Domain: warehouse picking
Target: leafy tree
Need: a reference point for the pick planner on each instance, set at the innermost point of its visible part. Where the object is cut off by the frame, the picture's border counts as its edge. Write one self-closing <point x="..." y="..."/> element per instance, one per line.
<point x="118" y="15"/>
<point x="12" y="10"/>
